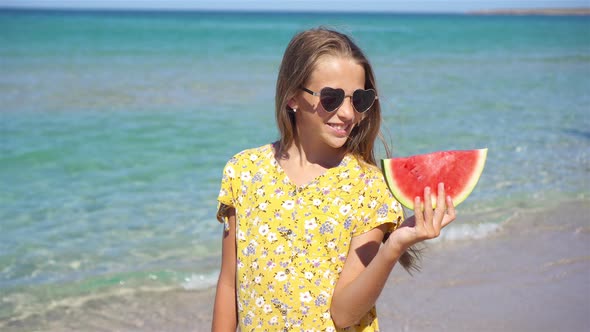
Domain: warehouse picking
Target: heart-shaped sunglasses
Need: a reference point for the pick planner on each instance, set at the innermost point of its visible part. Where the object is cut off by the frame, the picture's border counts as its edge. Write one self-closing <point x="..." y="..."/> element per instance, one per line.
<point x="331" y="99"/>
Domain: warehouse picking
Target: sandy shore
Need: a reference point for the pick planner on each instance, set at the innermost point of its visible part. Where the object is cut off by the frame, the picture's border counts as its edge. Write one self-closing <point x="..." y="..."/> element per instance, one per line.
<point x="532" y="275"/>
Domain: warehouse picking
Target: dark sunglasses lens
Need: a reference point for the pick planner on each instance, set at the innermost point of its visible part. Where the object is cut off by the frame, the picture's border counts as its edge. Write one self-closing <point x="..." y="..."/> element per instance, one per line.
<point x="363" y="100"/>
<point x="331" y="99"/>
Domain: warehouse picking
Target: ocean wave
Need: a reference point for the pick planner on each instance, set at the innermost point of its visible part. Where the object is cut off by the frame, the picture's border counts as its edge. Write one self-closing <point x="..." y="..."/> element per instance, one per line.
<point x="469" y="231"/>
<point x="200" y="281"/>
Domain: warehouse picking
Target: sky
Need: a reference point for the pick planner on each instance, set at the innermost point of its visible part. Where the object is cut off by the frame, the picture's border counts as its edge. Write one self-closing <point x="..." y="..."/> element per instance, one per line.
<point x="300" y="5"/>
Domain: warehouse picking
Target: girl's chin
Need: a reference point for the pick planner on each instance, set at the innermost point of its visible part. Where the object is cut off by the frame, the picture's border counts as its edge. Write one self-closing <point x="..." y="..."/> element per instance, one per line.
<point x="337" y="143"/>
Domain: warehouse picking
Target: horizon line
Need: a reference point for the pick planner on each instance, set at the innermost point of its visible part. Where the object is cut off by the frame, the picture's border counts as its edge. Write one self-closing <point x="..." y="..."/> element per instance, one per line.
<point x="491" y="11"/>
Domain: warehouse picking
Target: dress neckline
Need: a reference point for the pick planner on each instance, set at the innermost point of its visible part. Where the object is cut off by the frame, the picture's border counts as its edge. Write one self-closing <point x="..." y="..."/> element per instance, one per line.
<point x="345" y="160"/>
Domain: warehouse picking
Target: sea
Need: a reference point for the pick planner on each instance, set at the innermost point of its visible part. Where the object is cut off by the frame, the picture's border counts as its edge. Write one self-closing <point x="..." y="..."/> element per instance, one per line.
<point x="115" y="127"/>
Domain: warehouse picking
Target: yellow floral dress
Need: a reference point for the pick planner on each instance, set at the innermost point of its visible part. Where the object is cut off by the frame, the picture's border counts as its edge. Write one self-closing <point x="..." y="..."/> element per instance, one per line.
<point x="292" y="241"/>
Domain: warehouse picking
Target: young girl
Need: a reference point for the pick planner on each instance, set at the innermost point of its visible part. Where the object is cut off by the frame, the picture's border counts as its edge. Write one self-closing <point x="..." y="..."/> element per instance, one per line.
<point x="305" y="217"/>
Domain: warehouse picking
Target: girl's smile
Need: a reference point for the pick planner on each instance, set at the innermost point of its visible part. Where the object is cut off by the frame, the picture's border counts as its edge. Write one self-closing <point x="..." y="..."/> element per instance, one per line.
<point x="340" y="129"/>
<point x="327" y="131"/>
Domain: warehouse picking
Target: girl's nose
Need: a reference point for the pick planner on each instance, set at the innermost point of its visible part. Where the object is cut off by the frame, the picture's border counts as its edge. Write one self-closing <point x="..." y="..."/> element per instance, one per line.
<point x="346" y="110"/>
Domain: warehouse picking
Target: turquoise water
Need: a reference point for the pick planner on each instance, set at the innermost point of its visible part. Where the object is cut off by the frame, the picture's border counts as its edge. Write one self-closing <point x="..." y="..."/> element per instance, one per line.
<point x="115" y="128"/>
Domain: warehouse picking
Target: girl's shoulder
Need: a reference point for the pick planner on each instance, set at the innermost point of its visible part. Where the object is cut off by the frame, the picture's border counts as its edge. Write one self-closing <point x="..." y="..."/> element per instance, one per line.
<point x="364" y="169"/>
<point x="253" y="154"/>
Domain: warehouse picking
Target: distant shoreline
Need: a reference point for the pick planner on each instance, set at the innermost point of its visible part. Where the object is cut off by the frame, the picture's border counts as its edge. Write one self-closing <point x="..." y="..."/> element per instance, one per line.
<point x="534" y="11"/>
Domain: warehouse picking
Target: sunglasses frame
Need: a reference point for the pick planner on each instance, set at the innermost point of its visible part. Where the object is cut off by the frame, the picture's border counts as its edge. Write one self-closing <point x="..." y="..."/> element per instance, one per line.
<point x="319" y="94"/>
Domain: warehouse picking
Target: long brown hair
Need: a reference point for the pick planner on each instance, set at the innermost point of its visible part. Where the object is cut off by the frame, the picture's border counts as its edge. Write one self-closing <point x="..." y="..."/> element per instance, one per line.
<point x="299" y="61"/>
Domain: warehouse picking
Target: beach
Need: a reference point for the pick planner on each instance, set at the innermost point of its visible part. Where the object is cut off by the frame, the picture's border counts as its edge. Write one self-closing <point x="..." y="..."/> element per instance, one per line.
<point x="116" y="127"/>
<point x="533" y="274"/>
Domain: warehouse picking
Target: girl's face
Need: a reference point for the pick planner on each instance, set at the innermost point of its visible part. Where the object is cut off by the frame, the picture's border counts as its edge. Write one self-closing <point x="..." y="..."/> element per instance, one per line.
<point x="314" y="124"/>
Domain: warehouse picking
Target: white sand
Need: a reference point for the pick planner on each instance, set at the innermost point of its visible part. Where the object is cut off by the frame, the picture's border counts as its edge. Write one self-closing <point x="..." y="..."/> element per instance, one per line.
<point x="533" y="275"/>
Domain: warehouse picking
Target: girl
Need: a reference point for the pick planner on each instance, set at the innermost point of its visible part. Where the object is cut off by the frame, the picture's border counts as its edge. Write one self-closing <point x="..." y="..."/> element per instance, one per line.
<point x="305" y="217"/>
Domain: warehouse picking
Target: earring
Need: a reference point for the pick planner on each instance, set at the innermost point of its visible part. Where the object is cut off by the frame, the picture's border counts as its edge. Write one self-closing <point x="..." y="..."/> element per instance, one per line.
<point x="294" y="110"/>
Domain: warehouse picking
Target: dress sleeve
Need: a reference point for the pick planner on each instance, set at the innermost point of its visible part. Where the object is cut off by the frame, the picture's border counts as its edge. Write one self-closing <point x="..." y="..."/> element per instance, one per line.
<point x="228" y="191"/>
<point x="377" y="206"/>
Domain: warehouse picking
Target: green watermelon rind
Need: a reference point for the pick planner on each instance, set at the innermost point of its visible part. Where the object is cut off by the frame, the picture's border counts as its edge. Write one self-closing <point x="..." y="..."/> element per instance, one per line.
<point x="457" y="199"/>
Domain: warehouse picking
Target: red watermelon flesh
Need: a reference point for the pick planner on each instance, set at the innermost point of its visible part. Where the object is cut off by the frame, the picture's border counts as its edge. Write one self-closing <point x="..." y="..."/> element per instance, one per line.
<point x="459" y="170"/>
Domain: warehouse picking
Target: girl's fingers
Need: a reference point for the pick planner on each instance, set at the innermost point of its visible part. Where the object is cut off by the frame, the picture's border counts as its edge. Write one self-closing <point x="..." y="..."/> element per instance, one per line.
<point x="418" y="212"/>
<point x="428" y="211"/>
<point x="451" y="214"/>
<point x="439" y="212"/>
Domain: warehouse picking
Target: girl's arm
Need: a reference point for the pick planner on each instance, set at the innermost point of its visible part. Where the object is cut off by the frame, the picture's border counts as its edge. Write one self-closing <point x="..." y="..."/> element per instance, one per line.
<point x="368" y="264"/>
<point x="224" y="310"/>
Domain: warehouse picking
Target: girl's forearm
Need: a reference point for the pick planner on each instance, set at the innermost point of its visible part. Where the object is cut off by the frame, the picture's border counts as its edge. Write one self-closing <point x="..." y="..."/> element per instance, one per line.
<point x="224" y="310"/>
<point x="356" y="298"/>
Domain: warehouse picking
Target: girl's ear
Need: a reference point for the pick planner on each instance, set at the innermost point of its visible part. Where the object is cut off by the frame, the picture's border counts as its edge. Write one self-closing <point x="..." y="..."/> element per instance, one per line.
<point x="292" y="103"/>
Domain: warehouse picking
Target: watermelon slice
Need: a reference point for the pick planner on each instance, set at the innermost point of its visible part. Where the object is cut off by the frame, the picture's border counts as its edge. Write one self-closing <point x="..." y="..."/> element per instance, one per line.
<point x="459" y="170"/>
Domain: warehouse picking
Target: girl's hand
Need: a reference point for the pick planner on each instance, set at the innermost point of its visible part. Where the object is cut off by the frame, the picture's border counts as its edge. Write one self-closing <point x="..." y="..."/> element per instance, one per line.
<point x="426" y="222"/>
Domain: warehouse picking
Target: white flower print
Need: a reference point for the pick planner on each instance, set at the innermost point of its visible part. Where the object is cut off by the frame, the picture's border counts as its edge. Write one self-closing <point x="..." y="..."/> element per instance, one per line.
<point x="263" y="229"/>
<point x="346" y="188"/>
<point x="260" y="192"/>
<point x="360" y="200"/>
<point x="267" y="308"/>
<point x="396" y="206"/>
<point x="245" y="176"/>
<point x="289" y="204"/>
<point x="241" y="236"/>
<point x="222" y="192"/>
<point x="311" y="224"/>
<point x="272" y="237"/>
<point x="260" y="301"/>
<point x="308" y="275"/>
<point x="280" y="250"/>
<point x="331" y="245"/>
<point x="305" y="297"/>
<point x="274" y="320"/>
<point x="253" y="157"/>
<point x="262" y="206"/>
<point x="258" y="279"/>
<point x="317" y="202"/>
<point x="344" y="209"/>
<point x="373" y="204"/>
<point x="230" y="172"/>
<point x="281" y="276"/>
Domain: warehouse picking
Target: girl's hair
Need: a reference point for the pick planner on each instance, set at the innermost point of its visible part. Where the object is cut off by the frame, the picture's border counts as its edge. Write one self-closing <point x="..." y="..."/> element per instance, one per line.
<point x="299" y="61"/>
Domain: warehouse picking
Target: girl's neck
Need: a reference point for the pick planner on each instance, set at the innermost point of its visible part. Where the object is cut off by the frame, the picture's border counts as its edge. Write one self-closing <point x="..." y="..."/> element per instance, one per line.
<point x="308" y="155"/>
<point x="302" y="166"/>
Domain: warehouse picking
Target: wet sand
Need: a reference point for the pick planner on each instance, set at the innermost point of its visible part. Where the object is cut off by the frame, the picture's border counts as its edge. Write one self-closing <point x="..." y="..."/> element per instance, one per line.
<point x="532" y="275"/>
